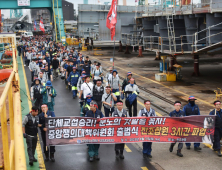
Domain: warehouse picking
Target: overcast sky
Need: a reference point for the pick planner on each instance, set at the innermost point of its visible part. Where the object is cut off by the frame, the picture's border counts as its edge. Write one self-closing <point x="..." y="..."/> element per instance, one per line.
<point x="76" y="2"/>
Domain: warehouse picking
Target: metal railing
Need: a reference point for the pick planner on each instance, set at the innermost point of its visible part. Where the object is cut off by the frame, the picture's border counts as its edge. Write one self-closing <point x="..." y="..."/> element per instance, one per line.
<point x="13" y="147"/>
<point x="198" y="42"/>
<point x="163" y="44"/>
<point x="156" y="9"/>
<point x="123" y="38"/>
<point x="135" y="40"/>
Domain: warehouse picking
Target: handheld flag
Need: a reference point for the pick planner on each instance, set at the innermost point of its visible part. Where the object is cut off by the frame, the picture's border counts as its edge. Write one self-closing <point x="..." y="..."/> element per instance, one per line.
<point x="111" y="18"/>
<point x="41" y="25"/>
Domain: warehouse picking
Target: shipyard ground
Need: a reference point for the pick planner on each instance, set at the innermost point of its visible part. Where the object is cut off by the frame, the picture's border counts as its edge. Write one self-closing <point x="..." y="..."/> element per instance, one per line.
<point x="74" y="157"/>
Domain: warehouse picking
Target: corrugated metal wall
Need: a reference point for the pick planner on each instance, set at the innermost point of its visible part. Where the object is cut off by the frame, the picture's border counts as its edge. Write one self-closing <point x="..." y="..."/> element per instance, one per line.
<point x="93" y="16"/>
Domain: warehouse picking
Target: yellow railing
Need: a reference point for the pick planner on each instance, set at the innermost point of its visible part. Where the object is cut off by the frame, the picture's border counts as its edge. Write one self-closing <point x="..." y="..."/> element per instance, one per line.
<point x="54" y="19"/>
<point x="13" y="147"/>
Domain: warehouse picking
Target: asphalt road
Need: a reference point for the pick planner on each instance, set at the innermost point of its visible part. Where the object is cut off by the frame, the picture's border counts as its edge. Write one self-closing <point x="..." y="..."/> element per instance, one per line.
<point x="75" y="157"/>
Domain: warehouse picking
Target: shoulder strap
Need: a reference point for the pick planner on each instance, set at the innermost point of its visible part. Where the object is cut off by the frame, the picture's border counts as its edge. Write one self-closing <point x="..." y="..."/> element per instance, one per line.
<point x="88" y="86"/>
<point x="107" y="97"/>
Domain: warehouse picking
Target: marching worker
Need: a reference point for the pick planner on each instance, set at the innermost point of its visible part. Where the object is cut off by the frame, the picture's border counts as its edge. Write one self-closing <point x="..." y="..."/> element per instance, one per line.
<point x="120" y="112"/>
<point x="85" y="108"/>
<point x="98" y="91"/>
<point x="34" y="68"/>
<point x="114" y="84"/>
<point x="80" y="65"/>
<point x="55" y="66"/>
<point x="110" y="69"/>
<point x="129" y="90"/>
<point x="93" y="149"/>
<point x="88" y="60"/>
<point x="42" y="78"/>
<point x="47" y="73"/>
<point x="36" y="95"/>
<point x="147" y="112"/>
<point x="73" y="80"/>
<point x="46" y="113"/>
<point x="80" y="82"/>
<point x="126" y="81"/>
<point x="48" y="94"/>
<point x="93" y="67"/>
<point x="96" y="74"/>
<point x="86" y="88"/>
<point x="177" y="113"/>
<point x="189" y="110"/>
<point x="218" y="127"/>
<point x="108" y="99"/>
<point x="86" y="67"/>
<point x="30" y="125"/>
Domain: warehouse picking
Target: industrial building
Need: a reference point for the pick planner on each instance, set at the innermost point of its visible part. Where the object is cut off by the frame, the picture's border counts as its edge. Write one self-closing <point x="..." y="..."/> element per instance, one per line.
<point x="92" y="20"/>
<point x="180" y="27"/>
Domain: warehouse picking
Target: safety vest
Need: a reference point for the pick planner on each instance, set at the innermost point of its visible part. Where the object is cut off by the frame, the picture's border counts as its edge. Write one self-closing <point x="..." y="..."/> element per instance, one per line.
<point x="189" y="110"/>
<point x="117" y="115"/>
<point x="30" y="127"/>
<point x="97" y="95"/>
<point x="143" y="113"/>
<point x="86" y="108"/>
<point x="174" y="114"/>
<point x="37" y="94"/>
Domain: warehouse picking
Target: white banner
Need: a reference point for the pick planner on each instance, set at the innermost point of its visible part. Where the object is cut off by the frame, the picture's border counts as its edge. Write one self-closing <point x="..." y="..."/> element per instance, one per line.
<point x="23" y="2"/>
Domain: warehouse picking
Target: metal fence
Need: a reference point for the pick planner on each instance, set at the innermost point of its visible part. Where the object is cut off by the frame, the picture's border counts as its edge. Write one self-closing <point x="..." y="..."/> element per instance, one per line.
<point x="157" y="9"/>
<point x="13" y="147"/>
<point x="164" y="44"/>
<point x="214" y="35"/>
<point x="124" y="38"/>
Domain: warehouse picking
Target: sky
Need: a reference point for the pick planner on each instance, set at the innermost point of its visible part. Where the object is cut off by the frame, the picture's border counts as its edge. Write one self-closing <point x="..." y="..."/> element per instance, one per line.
<point x="76" y="2"/>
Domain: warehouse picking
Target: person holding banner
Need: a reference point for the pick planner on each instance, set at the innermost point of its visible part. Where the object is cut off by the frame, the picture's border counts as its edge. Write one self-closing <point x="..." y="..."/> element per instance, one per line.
<point x="192" y="109"/>
<point x="46" y="113"/>
<point x="30" y="125"/>
<point x="147" y="112"/>
<point x="132" y="89"/>
<point x="108" y="99"/>
<point x="177" y="113"/>
<point x="120" y="112"/>
<point x="218" y="127"/>
<point x="93" y="149"/>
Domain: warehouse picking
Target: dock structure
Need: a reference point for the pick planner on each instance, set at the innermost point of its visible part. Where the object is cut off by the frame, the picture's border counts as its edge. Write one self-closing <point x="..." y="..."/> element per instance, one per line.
<point x="178" y="27"/>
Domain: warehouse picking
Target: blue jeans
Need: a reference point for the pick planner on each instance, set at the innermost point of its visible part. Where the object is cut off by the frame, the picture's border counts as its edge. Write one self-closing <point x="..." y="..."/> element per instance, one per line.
<point x="147" y="148"/>
<point x="195" y="144"/>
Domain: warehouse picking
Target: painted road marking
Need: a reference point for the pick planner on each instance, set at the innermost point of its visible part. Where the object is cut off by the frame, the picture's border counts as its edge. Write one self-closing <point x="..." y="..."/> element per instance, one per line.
<point x="158" y="83"/>
<point x="144" y="168"/>
<point x="38" y="147"/>
<point x="127" y="149"/>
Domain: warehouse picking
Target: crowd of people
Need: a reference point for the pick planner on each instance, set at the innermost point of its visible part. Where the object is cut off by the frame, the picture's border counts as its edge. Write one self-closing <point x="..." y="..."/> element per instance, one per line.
<point x="99" y="95"/>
